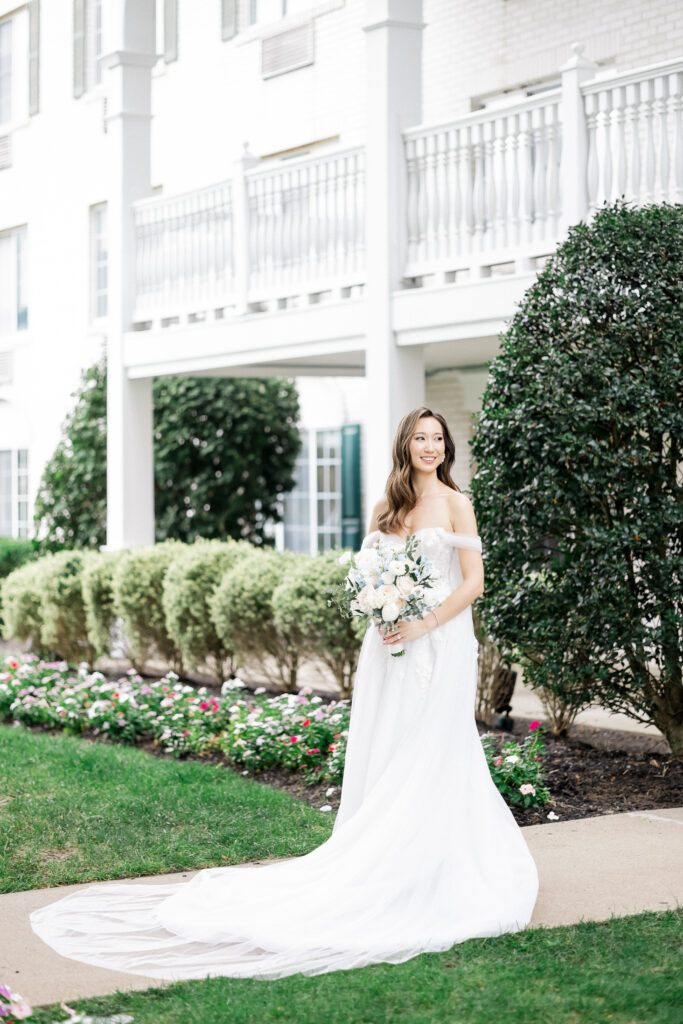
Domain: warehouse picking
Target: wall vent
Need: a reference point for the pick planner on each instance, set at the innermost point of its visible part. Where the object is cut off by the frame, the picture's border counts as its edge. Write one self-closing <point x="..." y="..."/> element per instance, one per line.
<point x="287" y="51"/>
<point x="5" y="151"/>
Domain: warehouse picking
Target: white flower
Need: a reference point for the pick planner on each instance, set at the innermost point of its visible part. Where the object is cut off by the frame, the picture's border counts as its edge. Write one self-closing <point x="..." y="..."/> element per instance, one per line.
<point x="398" y="568"/>
<point x="512" y="758"/>
<point x="346" y="557"/>
<point x="404" y="585"/>
<point x="366" y="560"/>
<point x="386" y="594"/>
<point x="330" y="791"/>
<point x="391" y="611"/>
<point x="526" y="788"/>
<point x="326" y="807"/>
<point x="259" y="689"/>
<point x="552" y="816"/>
<point x="388" y="576"/>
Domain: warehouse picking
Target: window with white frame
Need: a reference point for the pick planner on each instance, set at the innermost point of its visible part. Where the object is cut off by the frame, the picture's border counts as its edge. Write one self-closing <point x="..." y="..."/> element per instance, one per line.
<point x="99" y="273"/>
<point x="93" y="28"/>
<point x="13" y="285"/>
<point x="261" y="12"/>
<point x="14" y="68"/>
<point x="323" y="509"/>
<point x="14" y="493"/>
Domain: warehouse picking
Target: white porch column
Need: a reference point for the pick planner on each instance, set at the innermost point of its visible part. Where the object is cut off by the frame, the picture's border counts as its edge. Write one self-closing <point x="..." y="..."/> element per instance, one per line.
<point x="394" y="102"/>
<point x="130" y="460"/>
<point x="574" y="137"/>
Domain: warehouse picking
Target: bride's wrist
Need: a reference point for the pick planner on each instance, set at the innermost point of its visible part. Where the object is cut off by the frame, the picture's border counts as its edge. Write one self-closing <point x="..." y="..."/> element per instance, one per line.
<point x="434" y="620"/>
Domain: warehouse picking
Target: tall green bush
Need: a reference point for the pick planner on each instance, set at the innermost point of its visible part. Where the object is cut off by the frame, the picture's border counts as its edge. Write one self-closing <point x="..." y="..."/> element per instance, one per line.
<point x="243" y="615"/>
<point x="62" y="610"/>
<point x="13" y="554"/>
<point x="98" y="598"/>
<point x="21" y="604"/>
<point x="189" y="585"/>
<point x="303" y="610"/>
<point x="578" y="490"/>
<point x="138" y="598"/>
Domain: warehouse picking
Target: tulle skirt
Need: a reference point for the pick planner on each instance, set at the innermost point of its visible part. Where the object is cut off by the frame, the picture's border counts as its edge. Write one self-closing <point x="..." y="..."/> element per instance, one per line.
<point x="424" y="854"/>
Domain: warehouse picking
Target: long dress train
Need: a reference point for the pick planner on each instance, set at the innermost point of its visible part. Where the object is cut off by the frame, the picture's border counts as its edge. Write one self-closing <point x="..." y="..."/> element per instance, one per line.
<point x="424" y="853"/>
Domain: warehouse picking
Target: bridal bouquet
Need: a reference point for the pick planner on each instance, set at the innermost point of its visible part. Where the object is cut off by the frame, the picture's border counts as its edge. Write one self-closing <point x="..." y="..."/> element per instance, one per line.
<point x="386" y="583"/>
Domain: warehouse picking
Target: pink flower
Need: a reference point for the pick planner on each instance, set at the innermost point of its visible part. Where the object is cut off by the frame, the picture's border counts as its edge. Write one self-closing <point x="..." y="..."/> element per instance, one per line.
<point x="293" y="739"/>
<point x="203" y="705"/>
<point x="186" y="733"/>
<point x="526" y="788"/>
<point x="534" y="725"/>
<point x="307" y="722"/>
<point x="497" y="760"/>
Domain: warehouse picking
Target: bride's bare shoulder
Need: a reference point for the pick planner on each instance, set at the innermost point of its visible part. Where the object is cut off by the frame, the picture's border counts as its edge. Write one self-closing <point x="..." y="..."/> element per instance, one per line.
<point x="461" y="512"/>
<point x="381" y="506"/>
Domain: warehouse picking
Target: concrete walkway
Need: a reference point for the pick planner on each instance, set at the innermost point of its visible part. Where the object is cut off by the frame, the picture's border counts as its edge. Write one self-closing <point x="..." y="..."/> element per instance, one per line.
<point x="589" y="869"/>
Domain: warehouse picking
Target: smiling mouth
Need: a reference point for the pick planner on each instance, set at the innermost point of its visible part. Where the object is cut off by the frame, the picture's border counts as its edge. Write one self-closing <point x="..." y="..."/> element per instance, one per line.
<point x="428" y="458"/>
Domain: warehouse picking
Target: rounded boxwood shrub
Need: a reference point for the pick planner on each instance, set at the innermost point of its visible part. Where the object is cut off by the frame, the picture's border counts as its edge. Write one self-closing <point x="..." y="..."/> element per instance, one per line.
<point x="98" y="597"/>
<point x="578" y="488"/>
<point x="243" y="616"/>
<point x="188" y="587"/>
<point x="305" y="611"/>
<point x="63" y="625"/>
<point x="21" y="593"/>
<point x="138" y="590"/>
<point x="13" y="554"/>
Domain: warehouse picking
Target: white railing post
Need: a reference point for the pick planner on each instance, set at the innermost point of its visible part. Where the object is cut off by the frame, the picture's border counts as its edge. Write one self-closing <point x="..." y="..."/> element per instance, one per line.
<point x="241" y="229"/>
<point x="574" y="137"/>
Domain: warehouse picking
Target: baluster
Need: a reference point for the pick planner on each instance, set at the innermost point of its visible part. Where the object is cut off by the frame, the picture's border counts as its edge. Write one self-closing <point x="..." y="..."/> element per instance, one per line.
<point x="540" y="164"/>
<point x="228" y="243"/>
<point x="465" y="165"/>
<point x="604" y="146"/>
<point x="592" y="169"/>
<point x="422" y="224"/>
<point x="274" y="223"/>
<point x="453" y="188"/>
<point x="489" y="188"/>
<point x="554" y="163"/>
<point x="500" y="190"/>
<point x="661" y="109"/>
<point x="478" y="187"/>
<point x="646" y="104"/>
<point x="514" y="214"/>
<point x="411" y="199"/>
<point x="266" y="235"/>
<point x="633" y="129"/>
<point x="360" y="211"/>
<point x="442" y="192"/>
<point x="526" y="155"/>
<point x="675" y="97"/>
<point x="619" y="140"/>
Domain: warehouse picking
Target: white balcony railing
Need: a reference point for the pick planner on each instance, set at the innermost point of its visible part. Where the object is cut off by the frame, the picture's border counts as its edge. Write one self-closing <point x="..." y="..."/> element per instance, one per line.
<point x="482" y="192"/>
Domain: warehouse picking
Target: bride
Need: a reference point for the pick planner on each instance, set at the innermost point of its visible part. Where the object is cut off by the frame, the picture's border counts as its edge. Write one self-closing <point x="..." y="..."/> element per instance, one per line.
<point x="424" y="853"/>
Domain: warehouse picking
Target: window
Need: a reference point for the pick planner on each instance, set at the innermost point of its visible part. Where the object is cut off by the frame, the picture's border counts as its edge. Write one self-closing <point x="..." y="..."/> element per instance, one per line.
<point x="261" y="12"/>
<point x="323" y="509"/>
<point x="13" y="291"/>
<point x="14" y="493"/>
<point x="98" y="261"/>
<point x="5" y="71"/>
<point x="87" y="44"/>
<point x="94" y="41"/>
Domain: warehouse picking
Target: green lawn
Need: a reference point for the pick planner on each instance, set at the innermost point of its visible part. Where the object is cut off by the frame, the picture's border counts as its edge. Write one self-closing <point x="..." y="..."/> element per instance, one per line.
<point x="626" y="971"/>
<point x="73" y="810"/>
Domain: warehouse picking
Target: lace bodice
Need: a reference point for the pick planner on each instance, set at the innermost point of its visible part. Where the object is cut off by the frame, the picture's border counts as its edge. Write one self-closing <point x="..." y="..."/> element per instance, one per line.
<point x="439" y="546"/>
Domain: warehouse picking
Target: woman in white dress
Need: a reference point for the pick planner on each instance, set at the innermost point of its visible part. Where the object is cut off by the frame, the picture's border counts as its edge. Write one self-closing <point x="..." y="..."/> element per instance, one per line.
<point x="424" y="853"/>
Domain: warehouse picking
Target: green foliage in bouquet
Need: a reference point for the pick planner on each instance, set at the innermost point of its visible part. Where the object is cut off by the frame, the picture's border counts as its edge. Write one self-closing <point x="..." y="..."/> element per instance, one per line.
<point x="189" y="585"/>
<point x="243" y="615"/>
<point x="578" y="490"/>
<point x="305" y="607"/>
<point x="138" y="588"/>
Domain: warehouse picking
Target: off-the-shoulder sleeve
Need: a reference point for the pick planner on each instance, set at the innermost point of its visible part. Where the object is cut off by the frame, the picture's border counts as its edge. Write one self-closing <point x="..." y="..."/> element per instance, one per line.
<point x="371" y="540"/>
<point x="472" y="541"/>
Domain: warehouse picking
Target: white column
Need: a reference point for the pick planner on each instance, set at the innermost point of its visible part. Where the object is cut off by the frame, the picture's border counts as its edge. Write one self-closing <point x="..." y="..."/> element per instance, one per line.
<point x="130" y="460"/>
<point x="395" y="375"/>
<point x="574" y="138"/>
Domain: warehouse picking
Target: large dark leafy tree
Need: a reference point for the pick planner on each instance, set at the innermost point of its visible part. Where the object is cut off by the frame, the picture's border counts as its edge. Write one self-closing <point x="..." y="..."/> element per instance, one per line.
<point x="579" y="485"/>
<point x="224" y="454"/>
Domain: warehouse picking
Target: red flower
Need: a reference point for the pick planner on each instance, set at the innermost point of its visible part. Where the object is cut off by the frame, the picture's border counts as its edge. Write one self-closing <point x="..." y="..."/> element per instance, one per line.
<point x="332" y="746"/>
<point x="307" y="722"/>
<point x="336" y="735"/>
<point x="116" y="695"/>
<point x="534" y="725"/>
<point x="203" y="705"/>
<point x="14" y="664"/>
<point x="186" y="733"/>
<point x="293" y="739"/>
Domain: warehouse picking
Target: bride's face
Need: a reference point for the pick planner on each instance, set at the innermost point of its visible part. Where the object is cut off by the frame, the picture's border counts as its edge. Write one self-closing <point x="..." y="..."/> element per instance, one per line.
<point x="427" y="445"/>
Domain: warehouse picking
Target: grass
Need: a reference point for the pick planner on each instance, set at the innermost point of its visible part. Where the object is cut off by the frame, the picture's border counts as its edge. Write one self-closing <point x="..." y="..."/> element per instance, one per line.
<point x="624" y="971"/>
<point x="74" y="810"/>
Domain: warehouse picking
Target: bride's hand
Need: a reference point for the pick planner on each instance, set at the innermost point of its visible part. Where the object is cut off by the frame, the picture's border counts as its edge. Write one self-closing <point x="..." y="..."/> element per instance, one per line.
<point x="409" y="629"/>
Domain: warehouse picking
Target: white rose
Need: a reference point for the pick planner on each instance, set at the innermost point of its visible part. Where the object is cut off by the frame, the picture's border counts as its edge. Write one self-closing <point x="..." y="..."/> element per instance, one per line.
<point x="346" y="557"/>
<point x="366" y="560"/>
<point x="365" y="600"/>
<point x="391" y="611"/>
<point x="404" y="585"/>
<point x="398" y="568"/>
<point x="387" y="594"/>
<point x="387" y="577"/>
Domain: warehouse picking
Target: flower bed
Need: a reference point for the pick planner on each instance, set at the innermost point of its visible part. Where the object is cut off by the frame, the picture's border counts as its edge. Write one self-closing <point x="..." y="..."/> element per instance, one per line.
<point x="298" y="731"/>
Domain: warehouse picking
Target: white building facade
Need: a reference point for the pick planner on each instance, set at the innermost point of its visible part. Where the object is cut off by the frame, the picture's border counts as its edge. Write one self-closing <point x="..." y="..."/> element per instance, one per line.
<point x="354" y="193"/>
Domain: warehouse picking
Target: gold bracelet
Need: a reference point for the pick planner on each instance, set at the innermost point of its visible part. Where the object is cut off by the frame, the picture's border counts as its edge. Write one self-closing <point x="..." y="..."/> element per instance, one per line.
<point x="436" y="617"/>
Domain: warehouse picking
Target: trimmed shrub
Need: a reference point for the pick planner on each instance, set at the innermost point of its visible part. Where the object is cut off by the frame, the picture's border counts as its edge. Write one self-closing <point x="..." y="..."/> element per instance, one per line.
<point x="189" y="585"/>
<point x="98" y="597"/>
<point x="138" y="588"/>
<point x="578" y="487"/>
<point x="304" y="610"/>
<point x="13" y="554"/>
<point x="21" y="592"/>
<point x="63" y="628"/>
<point x="243" y="615"/>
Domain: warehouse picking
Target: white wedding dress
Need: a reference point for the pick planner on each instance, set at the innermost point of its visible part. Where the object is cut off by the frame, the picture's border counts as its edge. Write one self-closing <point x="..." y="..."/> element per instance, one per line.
<point x="425" y="853"/>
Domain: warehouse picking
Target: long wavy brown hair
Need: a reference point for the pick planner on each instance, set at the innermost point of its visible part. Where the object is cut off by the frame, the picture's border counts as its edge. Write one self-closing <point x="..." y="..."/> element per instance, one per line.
<point x="399" y="490"/>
